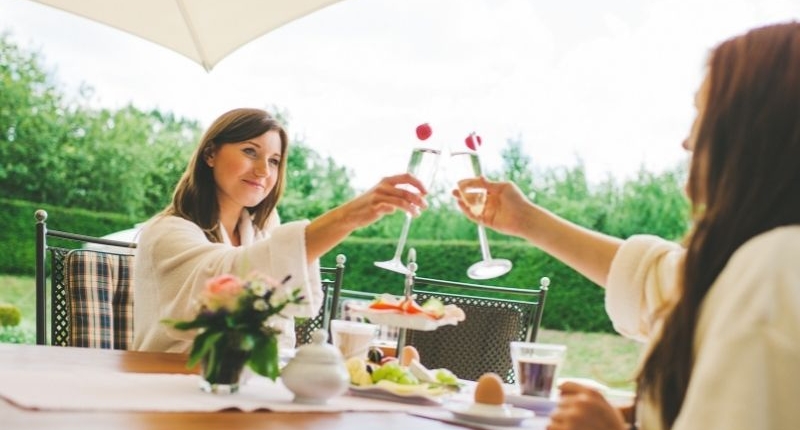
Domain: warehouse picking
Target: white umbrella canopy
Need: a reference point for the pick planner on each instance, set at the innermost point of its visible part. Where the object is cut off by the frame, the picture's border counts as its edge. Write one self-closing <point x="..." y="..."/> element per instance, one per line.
<point x="204" y="31"/>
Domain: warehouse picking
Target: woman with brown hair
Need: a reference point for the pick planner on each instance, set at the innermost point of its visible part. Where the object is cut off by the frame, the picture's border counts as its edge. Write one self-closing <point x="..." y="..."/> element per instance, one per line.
<point x="721" y="315"/>
<point x="222" y="219"/>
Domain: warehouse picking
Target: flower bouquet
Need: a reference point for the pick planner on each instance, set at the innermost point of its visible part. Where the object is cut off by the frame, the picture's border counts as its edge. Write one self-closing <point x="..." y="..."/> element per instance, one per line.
<point x="233" y="330"/>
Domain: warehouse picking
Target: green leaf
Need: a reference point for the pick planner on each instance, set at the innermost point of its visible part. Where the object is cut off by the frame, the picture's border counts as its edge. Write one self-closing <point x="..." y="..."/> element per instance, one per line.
<point x="264" y="358"/>
<point x="203" y="345"/>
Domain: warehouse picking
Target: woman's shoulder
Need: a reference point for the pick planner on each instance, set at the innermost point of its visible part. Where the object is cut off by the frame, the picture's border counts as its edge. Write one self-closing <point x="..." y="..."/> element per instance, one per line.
<point x="776" y="247"/>
<point x="763" y="274"/>
<point x="161" y="225"/>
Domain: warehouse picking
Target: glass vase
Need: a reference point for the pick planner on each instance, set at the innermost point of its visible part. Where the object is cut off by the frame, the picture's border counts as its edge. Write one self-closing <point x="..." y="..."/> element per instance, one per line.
<point x="222" y="367"/>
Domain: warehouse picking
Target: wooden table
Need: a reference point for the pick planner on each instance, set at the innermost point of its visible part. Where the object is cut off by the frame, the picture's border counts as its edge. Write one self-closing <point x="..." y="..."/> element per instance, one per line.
<point x="47" y="357"/>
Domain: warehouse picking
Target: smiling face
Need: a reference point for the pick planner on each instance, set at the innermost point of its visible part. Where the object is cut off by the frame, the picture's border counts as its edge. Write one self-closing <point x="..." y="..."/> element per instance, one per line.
<point x="245" y="172"/>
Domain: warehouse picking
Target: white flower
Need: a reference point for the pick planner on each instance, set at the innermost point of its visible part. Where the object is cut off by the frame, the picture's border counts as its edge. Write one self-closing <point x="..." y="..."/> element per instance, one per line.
<point x="260" y="305"/>
<point x="279" y="296"/>
<point x="259" y="288"/>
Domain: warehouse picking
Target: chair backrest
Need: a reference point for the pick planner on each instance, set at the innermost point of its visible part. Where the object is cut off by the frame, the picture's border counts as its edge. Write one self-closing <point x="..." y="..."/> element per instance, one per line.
<point x="91" y="294"/>
<point x="495" y="316"/>
<point x="100" y="299"/>
<point x="332" y="278"/>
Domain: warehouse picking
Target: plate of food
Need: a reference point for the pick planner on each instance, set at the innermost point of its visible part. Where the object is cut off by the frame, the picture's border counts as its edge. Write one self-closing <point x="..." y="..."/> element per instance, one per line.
<point x="404" y="312"/>
<point x="409" y="382"/>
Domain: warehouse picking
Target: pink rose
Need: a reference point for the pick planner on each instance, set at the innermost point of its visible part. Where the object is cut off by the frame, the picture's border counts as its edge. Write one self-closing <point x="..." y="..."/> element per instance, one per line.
<point x="222" y="292"/>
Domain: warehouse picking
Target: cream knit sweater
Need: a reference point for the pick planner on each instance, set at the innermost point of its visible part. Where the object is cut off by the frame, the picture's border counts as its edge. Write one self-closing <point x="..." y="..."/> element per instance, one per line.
<point x="747" y="341"/>
<point x="174" y="259"/>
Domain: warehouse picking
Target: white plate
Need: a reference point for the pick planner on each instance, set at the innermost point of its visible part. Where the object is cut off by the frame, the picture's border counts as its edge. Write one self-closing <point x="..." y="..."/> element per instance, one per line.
<point x="500" y="415"/>
<point x="393" y="318"/>
<point x="420" y="394"/>
<point x="542" y="406"/>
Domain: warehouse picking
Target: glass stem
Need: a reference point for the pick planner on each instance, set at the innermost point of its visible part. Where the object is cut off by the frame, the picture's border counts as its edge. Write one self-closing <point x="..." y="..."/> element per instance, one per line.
<point x="484" y="243"/>
<point x="401" y="243"/>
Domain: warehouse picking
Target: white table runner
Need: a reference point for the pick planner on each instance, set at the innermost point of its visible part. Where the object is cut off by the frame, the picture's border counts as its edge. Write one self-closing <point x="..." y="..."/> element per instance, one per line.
<point x="70" y="390"/>
<point x="118" y="391"/>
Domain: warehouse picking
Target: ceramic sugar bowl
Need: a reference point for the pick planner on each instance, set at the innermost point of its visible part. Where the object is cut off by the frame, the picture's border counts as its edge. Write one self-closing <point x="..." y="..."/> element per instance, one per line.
<point x="317" y="371"/>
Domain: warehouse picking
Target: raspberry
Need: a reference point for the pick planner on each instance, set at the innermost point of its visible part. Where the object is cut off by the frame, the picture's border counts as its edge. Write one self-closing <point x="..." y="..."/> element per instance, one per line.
<point x="473" y="141"/>
<point x="424" y="131"/>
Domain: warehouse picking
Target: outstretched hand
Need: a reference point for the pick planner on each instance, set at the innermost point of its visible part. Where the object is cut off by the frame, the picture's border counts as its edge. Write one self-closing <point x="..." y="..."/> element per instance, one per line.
<point x="582" y="407"/>
<point x="505" y="206"/>
<point x="388" y="195"/>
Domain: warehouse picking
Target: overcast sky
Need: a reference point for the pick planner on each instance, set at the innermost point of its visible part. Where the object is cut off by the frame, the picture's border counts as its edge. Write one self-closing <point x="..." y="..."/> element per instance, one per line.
<point x="609" y="81"/>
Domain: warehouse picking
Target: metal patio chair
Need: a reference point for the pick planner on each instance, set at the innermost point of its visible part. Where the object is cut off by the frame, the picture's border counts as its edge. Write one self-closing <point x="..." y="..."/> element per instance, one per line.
<point x="332" y="278"/>
<point x="91" y="291"/>
<point x="495" y="316"/>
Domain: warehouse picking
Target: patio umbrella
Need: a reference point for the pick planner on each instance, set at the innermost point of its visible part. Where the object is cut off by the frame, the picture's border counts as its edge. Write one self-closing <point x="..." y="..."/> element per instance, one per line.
<point x="204" y="31"/>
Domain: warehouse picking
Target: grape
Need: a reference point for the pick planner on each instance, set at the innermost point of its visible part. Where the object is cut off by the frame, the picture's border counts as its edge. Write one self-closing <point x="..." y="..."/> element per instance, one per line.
<point x="445" y="376"/>
<point x="393" y="372"/>
<point x="375" y="355"/>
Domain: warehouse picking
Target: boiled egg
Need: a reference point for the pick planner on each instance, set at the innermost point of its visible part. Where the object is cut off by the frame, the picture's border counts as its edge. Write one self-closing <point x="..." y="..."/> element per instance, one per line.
<point x="489" y="390"/>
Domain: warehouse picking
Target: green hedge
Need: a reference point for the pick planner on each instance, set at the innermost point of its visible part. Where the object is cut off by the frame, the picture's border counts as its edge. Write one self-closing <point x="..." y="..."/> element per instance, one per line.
<point x="573" y="303"/>
<point x="18" y="232"/>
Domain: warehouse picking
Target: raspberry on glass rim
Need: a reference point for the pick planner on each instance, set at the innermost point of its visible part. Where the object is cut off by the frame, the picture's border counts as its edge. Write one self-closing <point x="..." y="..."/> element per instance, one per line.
<point x="424" y="131"/>
<point x="473" y="141"/>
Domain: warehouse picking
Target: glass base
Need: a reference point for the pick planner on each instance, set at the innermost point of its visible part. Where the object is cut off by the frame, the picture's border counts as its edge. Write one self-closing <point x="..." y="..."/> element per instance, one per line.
<point x="393" y="265"/>
<point x="488" y="269"/>
<point x="222" y="389"/>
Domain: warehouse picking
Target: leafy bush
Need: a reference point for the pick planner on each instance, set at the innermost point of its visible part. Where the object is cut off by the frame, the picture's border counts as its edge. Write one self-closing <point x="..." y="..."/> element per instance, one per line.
<point x="9" y="315"/>
<point x="18" y="235"/>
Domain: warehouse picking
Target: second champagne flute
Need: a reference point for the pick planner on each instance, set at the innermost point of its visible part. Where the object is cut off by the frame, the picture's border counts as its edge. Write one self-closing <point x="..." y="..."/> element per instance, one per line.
<point x="466" y="164"/>
<point x="423" y="165"/>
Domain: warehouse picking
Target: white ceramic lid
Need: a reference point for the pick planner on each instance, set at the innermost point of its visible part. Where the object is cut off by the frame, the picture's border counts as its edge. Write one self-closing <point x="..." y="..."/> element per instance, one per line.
<point x="319" y="350"/>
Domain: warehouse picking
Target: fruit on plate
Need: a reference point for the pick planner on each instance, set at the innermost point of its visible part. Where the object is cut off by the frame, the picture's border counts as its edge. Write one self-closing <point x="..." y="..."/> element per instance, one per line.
<point x="375" y="355"/>
<point x="359" y="371"/>
<point x="408" y="355"/>
<point x="432" y="308"/>
<point x="394" y="372"/>
<point x="364" y="374"/>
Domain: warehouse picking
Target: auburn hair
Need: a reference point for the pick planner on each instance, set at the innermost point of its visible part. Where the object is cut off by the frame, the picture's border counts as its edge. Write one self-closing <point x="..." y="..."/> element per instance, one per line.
<point x="744" y="180"/>
<point x="195" y="196"/>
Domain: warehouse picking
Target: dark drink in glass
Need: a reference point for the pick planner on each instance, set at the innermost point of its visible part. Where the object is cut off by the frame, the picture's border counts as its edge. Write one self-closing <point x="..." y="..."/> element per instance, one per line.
<point x="536" y="378"/>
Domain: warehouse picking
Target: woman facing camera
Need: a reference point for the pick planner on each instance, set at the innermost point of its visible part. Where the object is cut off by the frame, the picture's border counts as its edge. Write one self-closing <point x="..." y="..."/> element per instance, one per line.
<point x="222" y="219"/>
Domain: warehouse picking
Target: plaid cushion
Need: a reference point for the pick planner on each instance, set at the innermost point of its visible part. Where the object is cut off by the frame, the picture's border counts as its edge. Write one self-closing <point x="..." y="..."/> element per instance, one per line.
<point x="100" y="299"/>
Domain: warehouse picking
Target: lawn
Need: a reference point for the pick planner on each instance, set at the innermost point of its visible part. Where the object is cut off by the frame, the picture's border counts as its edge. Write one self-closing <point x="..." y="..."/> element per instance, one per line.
<point x="607" y="358"/>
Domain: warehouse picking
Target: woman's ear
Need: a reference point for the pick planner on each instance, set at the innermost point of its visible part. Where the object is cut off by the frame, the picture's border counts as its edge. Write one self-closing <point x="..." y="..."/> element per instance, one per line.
<point x="208" y="156"/>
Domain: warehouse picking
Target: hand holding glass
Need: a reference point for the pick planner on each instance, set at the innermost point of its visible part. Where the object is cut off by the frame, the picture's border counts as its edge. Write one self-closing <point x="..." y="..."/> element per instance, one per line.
<point x="465" y="165"/>
<point x="423" y="165"/>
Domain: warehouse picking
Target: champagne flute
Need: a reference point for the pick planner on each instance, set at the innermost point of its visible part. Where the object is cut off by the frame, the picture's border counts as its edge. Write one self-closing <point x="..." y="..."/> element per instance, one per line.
<point x="423" y="165"/>
<point x="463" y="165"/>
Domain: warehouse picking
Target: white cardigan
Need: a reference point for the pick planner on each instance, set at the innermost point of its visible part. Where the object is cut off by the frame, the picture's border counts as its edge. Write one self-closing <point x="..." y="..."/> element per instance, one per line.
<point x="174" y="259"/>
<point x="747" y="341"/>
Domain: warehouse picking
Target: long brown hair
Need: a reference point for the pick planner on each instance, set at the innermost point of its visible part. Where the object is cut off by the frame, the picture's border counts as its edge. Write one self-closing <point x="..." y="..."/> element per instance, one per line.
<point x="744" y="180"/>
<point x="195" y="196"/>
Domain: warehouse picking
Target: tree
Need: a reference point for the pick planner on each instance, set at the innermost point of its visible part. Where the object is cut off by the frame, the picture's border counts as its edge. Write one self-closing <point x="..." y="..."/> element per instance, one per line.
<point x="517" y="166"/>
<point x="314" y="184"/>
